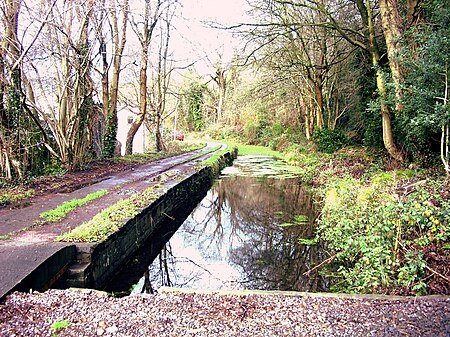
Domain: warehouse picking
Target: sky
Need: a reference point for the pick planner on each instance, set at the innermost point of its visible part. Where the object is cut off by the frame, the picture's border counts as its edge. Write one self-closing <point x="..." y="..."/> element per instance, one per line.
<point x="193" y="39"/>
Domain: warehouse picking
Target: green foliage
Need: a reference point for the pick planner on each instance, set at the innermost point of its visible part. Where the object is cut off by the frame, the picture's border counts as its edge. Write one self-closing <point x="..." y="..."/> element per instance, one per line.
<point x="293" y="152"/>
<point x="60" y="325"/>
<point x="379" y="238"/>
<point x="221" y="132"/>
<point x="61" y="211"/>
<point x="53" y="169"/>
<point x="192" y="104"/>
<point x="428" y="66"/>
<point x="14" y="194"/>
<point x="373" y="133"/>
<point x="299" y="220"/>
<point x="329" y="140"/>
<point x="110" y="138"/>
<point x="257" y="129"/>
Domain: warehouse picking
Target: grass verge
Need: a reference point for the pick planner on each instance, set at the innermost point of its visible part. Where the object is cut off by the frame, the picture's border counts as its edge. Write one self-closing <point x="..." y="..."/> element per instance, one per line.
<point x="256" y="150"/>
<point x="62" y="210"/>
<point x="110" y="219"/>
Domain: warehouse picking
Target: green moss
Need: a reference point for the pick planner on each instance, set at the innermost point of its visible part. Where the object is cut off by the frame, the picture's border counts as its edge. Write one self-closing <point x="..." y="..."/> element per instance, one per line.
<point x="213" y="160"/>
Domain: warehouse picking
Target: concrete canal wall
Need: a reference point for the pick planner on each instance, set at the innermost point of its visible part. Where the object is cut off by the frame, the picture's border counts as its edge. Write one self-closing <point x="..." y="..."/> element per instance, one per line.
<point x="97" y="263"/>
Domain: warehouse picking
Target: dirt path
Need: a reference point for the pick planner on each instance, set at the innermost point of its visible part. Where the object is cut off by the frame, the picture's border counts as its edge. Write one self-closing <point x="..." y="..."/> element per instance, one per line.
<point x="21" y="223"/>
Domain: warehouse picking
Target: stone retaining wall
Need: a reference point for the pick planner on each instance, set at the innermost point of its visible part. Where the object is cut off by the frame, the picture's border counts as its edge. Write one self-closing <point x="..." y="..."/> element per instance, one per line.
<point x="99" y="262"/>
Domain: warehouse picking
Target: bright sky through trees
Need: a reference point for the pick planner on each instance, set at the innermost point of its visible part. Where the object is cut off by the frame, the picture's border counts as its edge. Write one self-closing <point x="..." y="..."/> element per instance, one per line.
<point x="195" y="39"/>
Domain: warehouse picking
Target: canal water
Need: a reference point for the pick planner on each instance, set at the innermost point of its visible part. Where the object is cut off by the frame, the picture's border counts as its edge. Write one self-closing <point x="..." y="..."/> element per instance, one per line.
<point x="247" y="233"/>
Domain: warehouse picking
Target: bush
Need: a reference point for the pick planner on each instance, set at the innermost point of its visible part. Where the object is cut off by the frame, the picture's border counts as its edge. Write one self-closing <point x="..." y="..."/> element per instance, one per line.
<point x="379" y="239"/>
<point x="329" y="140"/>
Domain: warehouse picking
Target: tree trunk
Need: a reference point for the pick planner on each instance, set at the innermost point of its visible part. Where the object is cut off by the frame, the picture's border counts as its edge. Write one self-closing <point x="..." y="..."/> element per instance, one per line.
<point x="12" y="153"/>
<point x="388" y="138"/>
<point x="132" y="132"/>
<point x="145" y="37"/>
<point x="320" y="74"/>
<point x="158" y="137"/>
<point x="222" y="89"/>
<point x="412" y="14"/>
<point x="319" y="100"/>
<point x="2" y="88"/>
<point x="308" y="116"/>
<point x="142" y="87"/>
<point x="119" y="40"/>
<point x="83" y="89"/>
<point x="393" y="31"/>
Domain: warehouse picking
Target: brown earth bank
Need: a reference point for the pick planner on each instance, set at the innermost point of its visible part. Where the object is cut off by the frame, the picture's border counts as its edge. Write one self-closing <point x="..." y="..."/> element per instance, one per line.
<point x="89" y="313"/>
<point x="64" y="183"/>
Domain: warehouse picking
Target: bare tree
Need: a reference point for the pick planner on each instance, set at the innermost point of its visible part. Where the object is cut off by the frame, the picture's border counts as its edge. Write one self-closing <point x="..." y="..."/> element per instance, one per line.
<point x="153" y="89"/>
<point x="144" y="30"/>
<point x="304" y="54"/>
<point x="355" y="21"/>
<point x="162" y="80"/>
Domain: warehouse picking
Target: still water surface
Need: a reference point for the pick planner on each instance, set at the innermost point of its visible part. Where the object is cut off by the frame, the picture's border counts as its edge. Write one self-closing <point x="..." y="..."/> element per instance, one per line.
<point x="244" y="235"/>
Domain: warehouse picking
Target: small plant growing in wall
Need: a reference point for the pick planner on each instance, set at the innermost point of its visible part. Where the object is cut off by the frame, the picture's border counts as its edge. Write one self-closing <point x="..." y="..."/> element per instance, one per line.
<point x="57" y="326"/>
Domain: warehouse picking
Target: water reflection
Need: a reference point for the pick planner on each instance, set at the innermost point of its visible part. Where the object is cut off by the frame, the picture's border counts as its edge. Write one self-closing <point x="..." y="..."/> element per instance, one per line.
<point x="243" y="234"/>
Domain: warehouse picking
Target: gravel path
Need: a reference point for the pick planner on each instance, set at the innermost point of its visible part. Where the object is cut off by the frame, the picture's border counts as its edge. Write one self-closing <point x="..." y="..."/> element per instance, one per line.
<point x="213" y="314"/>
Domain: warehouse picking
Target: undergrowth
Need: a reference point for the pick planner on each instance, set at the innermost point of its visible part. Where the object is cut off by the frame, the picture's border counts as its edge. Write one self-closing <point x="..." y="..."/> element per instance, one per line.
<point x="381" y="235"/>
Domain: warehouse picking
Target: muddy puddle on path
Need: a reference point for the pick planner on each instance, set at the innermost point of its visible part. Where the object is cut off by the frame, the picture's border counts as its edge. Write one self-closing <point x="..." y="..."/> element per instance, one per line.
<point x="244" y="234"/>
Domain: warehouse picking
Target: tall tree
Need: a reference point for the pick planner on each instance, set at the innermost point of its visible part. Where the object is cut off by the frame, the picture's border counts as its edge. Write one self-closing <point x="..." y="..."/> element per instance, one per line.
<point x="163" y="75"/>
<point x="119" y="36"/>
<point x="144" y="30"/>
<point x="60" y="100"/>
<point x="11" y="108"/>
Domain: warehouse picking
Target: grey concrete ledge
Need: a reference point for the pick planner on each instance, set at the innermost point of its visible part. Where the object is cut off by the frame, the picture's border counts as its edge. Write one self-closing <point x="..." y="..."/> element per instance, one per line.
<point x="171" y="290"/>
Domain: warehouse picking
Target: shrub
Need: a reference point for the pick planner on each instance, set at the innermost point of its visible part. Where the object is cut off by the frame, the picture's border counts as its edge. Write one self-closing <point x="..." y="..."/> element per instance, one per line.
<point x="329" y="140"/>
<point x="380" y="239"/>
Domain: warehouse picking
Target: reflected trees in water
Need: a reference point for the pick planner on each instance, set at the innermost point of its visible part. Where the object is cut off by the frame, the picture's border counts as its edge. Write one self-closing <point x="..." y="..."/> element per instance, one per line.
<point x="242" y="221"/>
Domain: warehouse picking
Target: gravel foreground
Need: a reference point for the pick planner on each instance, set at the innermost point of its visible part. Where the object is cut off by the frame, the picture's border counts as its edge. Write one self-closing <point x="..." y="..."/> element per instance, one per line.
<point x="92" y="313"/>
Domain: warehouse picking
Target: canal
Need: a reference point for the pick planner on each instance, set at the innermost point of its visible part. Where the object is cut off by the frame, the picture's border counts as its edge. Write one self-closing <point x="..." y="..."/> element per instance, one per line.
<point x="247" y="232"/>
